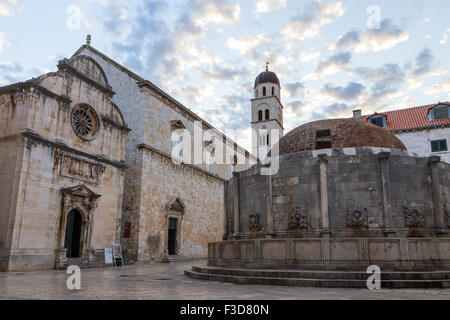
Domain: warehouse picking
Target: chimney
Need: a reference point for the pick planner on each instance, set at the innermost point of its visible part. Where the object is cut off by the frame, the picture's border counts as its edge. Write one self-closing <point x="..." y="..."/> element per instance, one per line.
<point x="357" y="114"/>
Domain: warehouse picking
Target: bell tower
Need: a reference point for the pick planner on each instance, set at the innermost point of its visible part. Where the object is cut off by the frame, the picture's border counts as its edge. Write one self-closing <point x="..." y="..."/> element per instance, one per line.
<point x="267" y="113"/>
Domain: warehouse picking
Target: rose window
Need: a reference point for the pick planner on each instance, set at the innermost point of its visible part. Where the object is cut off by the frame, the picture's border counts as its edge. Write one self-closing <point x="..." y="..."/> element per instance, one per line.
<point x="84" y="122"/>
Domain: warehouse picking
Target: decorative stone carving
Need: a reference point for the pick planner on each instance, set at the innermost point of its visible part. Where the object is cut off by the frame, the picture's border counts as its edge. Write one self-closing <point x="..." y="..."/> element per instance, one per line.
<point x="254" y="224"/>
<point x="80" y="169"/>
<point x="297" y="220"/>
<point x="61" y="254"/>
<point x="446" y="211"/>
<point x="357" y="218"/>
<point x="413" y="217"/>
<point x="176" y="204"/>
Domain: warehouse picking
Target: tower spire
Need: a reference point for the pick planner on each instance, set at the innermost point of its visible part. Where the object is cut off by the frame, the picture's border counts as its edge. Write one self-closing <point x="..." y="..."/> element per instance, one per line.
<point x="267" y="65"/>
<point x="88" y="39"/>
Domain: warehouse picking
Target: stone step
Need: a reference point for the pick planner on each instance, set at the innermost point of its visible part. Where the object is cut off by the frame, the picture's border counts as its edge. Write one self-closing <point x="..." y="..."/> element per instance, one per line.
<point x="322" y="274"/>
<point x="315" y="282"/>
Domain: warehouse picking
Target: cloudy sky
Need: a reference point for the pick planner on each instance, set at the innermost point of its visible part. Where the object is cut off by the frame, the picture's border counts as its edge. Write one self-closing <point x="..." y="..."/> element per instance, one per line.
<point x="331" y="56"/>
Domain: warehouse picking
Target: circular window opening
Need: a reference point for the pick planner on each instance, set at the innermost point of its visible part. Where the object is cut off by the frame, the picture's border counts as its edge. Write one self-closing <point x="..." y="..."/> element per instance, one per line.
<point x="85" y="122"/>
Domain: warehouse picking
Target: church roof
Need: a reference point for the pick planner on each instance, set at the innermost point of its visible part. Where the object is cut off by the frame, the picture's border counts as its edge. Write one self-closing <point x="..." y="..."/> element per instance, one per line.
<point x="337" y="133"/>
<point x="267" y="77"/>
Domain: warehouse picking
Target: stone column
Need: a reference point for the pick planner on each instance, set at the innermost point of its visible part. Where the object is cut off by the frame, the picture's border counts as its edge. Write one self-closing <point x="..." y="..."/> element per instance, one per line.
<point x="323" y="161"/>
<point x="383" y="160"/>
<point x="270" y="230"/>
<point x="236" y="205"/>
<point x="433" y="161"/>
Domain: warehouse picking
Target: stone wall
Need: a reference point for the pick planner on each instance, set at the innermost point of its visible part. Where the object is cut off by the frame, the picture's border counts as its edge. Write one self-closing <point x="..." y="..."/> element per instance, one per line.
<point x="361" y="194"/>
<point x="412" y="254"/>
<point x="202" y="220"/>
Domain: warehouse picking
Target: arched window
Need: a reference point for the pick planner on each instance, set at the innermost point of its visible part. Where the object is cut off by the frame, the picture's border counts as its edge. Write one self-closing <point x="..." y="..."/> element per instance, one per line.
<point x="273" y="91"/>
<point x="260" y="115"/>
<point x="267" y="114"/>
<point x="264" y="91"/>
<point x="268" y="143"/>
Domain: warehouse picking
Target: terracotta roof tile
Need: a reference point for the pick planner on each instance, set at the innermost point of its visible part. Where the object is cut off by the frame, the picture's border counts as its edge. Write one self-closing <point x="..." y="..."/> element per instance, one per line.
<point x="411" y="118"/>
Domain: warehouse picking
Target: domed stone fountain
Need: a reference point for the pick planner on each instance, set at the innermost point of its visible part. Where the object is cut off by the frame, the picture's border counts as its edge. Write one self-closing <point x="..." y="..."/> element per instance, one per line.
<point x="347" y="195"/>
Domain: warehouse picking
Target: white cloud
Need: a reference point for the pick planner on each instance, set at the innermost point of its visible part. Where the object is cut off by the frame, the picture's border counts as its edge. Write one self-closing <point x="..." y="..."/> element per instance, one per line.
<point x="269" y="5"/>
<point x="445" y="36"/>
<point x="372" y="40"/>
<point x="308" y="25"/>
<point x="330" y="66"/>
<point x="8" y="7"/>
<point x="413" y="84"/>
<point x="217" y="11"/>
<point x="309" y="56"/>
<point x="443" y="87"/>
<point x="247" y="44"/>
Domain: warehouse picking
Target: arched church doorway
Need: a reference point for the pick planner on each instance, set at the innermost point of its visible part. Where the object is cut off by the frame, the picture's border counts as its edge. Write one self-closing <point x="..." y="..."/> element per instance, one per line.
<point x="72" y="241"/>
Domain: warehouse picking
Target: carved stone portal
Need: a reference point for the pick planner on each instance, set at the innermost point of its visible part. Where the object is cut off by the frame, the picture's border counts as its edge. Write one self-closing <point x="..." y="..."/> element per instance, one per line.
<point x="254" y="224"/>
<point x="84" y="201"/>
<point x="297" y="220"/>
<point x="357" y="218"/>
<point x="413" y="217"/>
<point x="175" y="210"/>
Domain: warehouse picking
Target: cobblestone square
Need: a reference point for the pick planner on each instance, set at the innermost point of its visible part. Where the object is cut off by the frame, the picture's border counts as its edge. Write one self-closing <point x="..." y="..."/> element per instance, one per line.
<point x="166" y="282"/>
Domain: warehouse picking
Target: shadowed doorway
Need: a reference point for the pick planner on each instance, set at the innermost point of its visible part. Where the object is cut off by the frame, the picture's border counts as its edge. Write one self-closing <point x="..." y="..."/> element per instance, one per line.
<point x="72" y="240"/>
<point x="172" y="236"/>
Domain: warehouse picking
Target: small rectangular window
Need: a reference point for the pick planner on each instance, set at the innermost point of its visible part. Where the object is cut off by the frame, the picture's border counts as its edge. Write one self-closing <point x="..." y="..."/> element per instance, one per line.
<point x="440" y="113"/>
<point x="378" y="121"/>
<point x="323" y="133"/>
<point x="439" y="145"/>
<point x="208" y="161"/>
<point x="323" y="145"/>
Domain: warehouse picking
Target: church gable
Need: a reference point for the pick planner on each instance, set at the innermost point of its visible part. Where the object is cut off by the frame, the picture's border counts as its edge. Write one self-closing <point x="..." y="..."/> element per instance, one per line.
<point x="90" y="68"/>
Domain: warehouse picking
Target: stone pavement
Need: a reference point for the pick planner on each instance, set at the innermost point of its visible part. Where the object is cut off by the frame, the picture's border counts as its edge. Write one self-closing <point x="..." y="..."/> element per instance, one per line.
<point x="166" y="281"/>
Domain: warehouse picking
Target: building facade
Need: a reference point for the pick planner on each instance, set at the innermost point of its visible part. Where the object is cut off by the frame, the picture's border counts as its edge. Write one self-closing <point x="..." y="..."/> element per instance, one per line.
<point x="62" y="153"/>
<point x="171" y="208"/>
<point x="424" y="130"/>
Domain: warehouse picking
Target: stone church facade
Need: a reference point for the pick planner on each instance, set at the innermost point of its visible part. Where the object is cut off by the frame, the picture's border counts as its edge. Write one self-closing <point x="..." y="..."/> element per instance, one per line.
<point x="62" y="152"/>
<point x="86" y="162"/>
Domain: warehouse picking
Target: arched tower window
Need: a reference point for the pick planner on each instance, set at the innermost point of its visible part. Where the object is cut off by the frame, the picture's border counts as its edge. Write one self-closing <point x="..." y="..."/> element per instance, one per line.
<point x="273" y="91"/>
<point x="260" y="114"/>
<point x="267" y="114"/>
<point x="268" y="143"/>
<point x="264" y="91"/>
